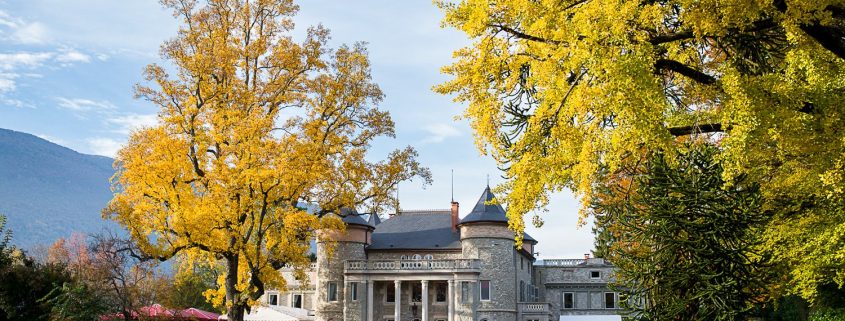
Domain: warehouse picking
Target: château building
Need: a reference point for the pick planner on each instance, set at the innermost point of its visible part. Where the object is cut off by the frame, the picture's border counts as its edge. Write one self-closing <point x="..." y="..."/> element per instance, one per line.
<point x="432" y="265"/>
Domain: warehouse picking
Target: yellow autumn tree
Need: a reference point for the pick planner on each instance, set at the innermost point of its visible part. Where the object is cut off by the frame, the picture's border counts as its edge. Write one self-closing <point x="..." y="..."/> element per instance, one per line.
<point x="252" y="126"/>
<point x="563" y="93"/>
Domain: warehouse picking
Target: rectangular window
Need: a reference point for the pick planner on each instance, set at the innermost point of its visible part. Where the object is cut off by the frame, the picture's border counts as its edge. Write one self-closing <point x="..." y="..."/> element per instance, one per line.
<point x="441" y="292"/>
<point x="354" y="289"/>
<point x="522" y="291"/>
<point x="595" y="274"/>
<point x="390" y="294"/>
<point x="273" y="299"/>
<point x="332" y="292"/>
<point x="297" y="301"/>
<point x="521" y="263"/>
<point x="484" y="288"/>
<point x="568" y="300"/>
<point x="610" y="300"/>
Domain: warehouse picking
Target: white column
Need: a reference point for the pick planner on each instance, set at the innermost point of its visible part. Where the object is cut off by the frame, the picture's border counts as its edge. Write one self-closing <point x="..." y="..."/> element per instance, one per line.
<point x="450" y="297"/>
<point x="370" y="300"/>
<point x="346" y="297"/>
<point x="424" y="300"/>
<point x="397" y="304"/>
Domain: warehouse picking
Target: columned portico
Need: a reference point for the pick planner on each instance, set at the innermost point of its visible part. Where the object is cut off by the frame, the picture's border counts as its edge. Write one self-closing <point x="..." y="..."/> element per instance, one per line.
<point x="431" y="290"/>
<point x="397" y="306"/>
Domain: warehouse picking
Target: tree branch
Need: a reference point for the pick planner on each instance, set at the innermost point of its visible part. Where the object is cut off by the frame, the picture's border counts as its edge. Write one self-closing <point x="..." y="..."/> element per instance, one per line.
<point x="673" y="65"/>
<point x="696" y="129"/>
<point x="522" y="35"/>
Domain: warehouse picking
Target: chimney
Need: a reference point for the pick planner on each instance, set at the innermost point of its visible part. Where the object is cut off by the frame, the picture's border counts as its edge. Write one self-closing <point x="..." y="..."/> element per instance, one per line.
<point x="586" y="256"/>
<point x="455" y="208"/>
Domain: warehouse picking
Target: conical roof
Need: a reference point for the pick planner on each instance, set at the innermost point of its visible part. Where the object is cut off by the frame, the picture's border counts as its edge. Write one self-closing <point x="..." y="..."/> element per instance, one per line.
<point x="374" y="219"/>
<point x="351" y="217"/>
<point x="484" y="212"/>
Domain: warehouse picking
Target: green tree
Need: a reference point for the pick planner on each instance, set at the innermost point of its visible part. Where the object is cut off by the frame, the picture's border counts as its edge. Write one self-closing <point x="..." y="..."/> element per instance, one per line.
<point x="558" y="90"/>
<point x="24" y="282"/>
<point x="75" y="302"/>
<point x="682" y="242"/>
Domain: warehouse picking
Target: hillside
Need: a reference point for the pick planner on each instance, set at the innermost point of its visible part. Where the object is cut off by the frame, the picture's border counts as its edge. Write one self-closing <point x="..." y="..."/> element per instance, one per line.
<point x="48" y="191"/>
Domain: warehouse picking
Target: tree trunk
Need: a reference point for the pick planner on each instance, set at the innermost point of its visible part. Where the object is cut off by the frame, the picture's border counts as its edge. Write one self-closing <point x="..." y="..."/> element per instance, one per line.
<point x="233" y="297"/>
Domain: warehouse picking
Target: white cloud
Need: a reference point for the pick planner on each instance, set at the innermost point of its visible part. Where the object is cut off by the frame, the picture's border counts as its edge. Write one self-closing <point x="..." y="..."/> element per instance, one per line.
<point x="31" y="33"/>
<point x="22" y="31"/>
<point x="7" y="83"/>
<point x="71" y="55"/>
<point x="80" y="104"/>
<point x="130" y="122"/>
<point x="17" y="60"/>
<point x="16" y="103"/>
<point x="104" y="146"/>
<point x="7" y="20"/>
<point x="440" y="132"/>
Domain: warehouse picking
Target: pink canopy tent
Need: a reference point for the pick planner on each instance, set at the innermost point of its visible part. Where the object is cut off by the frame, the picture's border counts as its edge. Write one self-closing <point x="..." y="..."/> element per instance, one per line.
<point x="199" y="315"/>
<point x="156" y="311"/>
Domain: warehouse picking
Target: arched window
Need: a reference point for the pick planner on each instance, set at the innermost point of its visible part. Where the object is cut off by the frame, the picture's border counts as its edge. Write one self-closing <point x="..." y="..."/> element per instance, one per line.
<point x="429" y="257"/>
<point x="417" y="257"/>
<point x="404" y="257"/>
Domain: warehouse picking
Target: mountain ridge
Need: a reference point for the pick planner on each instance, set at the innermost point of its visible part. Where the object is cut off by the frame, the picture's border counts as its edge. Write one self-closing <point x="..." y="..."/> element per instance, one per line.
<point x="49" y="191"/>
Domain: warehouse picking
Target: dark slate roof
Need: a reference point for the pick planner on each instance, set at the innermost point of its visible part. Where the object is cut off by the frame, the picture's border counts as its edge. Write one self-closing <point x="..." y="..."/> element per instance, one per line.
<point x="374" y="220"/>
<point x="418" y="230"/>
<point x="483" y="212"/>
<point x="528" y="238"/>
<point x="351" y="216"/>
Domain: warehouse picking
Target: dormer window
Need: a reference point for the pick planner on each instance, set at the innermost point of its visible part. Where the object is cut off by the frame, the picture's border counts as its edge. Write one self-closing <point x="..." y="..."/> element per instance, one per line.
<point x="404" y="257"/>
<point x="595" y="274"/>
<point x="417" y="257"/>
<point x="429" y="257"/>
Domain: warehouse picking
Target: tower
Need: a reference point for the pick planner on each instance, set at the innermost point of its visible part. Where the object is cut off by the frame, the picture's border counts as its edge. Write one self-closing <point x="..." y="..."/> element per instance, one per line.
<point x="485" y="235"/>
<point x="332" y="289"/>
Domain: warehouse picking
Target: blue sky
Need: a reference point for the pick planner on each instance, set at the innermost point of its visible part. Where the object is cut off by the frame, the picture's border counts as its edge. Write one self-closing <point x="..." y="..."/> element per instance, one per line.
<point x="67" y="69"/>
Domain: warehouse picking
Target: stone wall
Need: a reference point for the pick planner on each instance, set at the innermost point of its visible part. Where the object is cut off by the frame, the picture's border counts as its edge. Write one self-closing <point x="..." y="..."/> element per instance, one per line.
<point x="588" y="292"/>
<point x="330" y="269"/>
<point x="493" y="244"/>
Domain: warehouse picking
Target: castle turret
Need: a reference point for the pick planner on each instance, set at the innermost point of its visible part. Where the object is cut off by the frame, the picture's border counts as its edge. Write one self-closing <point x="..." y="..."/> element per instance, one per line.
<point x="485" y="235"/>
<point x="349" y="245"/>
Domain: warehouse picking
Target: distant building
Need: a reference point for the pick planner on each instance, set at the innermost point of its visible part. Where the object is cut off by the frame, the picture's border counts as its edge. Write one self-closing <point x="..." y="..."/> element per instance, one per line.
<point x="431" y="265"/>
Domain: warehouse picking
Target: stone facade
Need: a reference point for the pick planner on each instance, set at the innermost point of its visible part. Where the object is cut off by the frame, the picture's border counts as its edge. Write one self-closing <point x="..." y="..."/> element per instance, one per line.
<point x="444" y="269"/>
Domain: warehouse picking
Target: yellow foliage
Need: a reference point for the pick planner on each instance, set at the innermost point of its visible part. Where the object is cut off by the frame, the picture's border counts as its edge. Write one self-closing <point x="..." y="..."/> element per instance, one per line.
<point x="560" y="92"/>
<point x="252" y="127"/>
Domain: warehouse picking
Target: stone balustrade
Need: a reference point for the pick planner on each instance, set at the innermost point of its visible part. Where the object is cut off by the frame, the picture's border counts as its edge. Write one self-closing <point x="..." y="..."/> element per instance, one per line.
<point x="534" y="307"/>
<point x="411" y="265"/>
<point x="564" y="262"/>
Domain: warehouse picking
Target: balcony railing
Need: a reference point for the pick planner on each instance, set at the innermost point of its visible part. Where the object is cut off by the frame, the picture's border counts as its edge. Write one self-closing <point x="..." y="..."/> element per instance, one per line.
<point x="534" y="307"/>
<point x="411" y="265"/>
<point x="564" y="262"/>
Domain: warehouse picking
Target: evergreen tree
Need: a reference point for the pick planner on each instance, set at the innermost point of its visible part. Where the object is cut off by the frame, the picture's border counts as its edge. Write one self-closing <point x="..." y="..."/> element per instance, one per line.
<point x="683" y="238"/>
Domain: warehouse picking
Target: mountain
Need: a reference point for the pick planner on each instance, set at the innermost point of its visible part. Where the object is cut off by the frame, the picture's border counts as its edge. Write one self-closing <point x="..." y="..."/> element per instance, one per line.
<point x="48" y="191"/>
